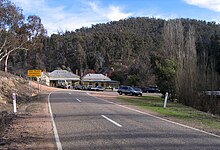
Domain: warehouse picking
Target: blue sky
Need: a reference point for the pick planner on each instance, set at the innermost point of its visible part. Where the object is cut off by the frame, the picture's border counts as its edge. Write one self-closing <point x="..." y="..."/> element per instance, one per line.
<point x="62" y="15"/>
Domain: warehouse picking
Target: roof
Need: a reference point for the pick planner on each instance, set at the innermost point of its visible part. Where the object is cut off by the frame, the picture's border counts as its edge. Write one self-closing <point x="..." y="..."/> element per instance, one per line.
<point x="63" y="75"/>
<point x="95" y="77"/>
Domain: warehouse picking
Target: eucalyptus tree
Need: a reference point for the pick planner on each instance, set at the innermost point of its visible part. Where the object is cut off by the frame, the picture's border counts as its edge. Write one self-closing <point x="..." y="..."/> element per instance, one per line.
<point x="15" y="33"/>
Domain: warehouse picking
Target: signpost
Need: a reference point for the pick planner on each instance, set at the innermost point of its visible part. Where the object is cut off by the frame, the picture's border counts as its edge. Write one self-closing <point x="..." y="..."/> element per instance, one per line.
<point x="33" y="73"/>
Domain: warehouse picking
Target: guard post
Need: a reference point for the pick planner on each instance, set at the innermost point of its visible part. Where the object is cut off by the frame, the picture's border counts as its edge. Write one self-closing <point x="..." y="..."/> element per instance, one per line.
<point x="165" y="100"/>
<point x="14" y="102"/>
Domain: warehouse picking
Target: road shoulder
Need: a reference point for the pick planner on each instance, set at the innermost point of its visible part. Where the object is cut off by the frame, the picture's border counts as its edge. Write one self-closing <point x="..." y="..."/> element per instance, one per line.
<point x="31" y="128"/>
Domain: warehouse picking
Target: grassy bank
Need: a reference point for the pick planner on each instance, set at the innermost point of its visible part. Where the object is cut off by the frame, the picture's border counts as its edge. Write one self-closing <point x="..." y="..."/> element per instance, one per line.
<point x="175" y="111"/>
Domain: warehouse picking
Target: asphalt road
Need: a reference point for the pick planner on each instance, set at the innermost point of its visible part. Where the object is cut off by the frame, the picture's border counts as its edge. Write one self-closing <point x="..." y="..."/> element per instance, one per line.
<point x="85" y="122"/>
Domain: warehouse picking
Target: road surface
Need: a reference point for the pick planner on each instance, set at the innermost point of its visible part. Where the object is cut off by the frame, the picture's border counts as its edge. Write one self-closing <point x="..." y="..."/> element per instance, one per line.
<point x="84" y="122"/>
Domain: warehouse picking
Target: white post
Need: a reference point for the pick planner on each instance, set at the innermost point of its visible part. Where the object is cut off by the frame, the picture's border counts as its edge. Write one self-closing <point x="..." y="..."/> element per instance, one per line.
<point x="14" y="102"/>
<point x="165" y="100"/>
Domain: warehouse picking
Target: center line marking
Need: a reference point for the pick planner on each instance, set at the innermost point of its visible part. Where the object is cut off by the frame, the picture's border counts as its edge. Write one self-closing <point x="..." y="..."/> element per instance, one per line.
<point x="112" y="121"/>
<point x="78" y="100"/>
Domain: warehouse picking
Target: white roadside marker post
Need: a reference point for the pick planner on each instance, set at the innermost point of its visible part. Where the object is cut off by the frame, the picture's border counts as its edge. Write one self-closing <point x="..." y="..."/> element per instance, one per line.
<point x="14" y="102"/>
<point x="165" y="100"/>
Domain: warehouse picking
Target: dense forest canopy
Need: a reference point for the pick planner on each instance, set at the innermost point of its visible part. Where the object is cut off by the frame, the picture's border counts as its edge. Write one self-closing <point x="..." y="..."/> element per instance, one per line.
<point x="181" y="56"/>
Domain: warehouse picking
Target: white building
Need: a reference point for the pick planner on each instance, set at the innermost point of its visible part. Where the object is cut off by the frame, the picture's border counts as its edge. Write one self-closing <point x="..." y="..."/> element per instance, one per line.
<point x="99" y="80"/>
<point x="61" y="78"/>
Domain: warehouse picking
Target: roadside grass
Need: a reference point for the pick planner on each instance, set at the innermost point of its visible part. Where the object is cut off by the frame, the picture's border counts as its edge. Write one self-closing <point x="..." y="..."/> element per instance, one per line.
<point x="174" y="110"/>
<point x="6" y="107"/>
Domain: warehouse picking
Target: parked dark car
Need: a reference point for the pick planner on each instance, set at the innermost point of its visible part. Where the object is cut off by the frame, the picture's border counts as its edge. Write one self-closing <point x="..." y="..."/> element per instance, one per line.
<point x="128" y="90"/>
<point x="151" y="89"/>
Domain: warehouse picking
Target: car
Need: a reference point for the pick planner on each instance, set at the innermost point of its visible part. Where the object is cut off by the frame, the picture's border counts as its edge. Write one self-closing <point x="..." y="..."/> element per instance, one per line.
<point x="68" y="87"/>
<point x="90" y="88"/>
<point x="115" y="89"/>
<point x="151" y="89"/>
<point x="137" y="91"/>
<point x="79" y="87"/>
<point x="128" y="90"/>
<point x="98" y="88"/>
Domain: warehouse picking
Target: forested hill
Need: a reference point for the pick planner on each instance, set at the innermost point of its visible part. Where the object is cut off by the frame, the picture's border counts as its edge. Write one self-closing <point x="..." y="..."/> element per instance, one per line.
<point x="181" y="56"/>
<point x="126" y="48"/>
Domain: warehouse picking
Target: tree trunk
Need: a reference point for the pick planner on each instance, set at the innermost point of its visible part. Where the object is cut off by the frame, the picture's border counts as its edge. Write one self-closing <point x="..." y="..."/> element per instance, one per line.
<point x="6" y="63"/>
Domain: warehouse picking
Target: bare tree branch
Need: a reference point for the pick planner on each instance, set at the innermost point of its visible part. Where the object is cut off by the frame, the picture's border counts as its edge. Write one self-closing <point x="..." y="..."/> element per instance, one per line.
<point x="3" y="45"/>
<point x="12" y="50"/>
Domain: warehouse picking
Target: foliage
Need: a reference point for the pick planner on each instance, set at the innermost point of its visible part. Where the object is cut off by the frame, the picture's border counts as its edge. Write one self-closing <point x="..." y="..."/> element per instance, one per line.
<point x="15" y="34"/>
<point x="133" y="80"/>
<point x="63" y="67"/>
<point x="180" y="55"/>
<point x="166" y="71"/>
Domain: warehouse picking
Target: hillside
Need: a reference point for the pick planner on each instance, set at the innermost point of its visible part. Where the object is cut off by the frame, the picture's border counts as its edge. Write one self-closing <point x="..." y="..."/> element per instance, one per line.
<point x="127" y="50"/>
<point x="180" y="56"/>
<point x="31" y="127"/>
<point x="12" y="84"/>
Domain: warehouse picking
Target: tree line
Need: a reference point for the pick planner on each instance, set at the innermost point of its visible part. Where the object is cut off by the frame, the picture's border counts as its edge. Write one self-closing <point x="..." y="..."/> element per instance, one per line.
<point x="181" y="56"/>
<point x="17" y="33"/>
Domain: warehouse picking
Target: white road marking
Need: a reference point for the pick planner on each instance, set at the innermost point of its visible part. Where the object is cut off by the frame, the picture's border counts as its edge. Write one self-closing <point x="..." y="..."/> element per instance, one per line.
<point x="141" y="112"/>
<point x="59" y="146"/>
<point x="78" y="100"/>
<point x="112" y="121"/>
<point x="69" y="93"/>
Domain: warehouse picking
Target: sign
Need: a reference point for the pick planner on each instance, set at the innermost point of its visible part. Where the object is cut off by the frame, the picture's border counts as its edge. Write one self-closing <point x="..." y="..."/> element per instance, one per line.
<point x="34" y="73"/>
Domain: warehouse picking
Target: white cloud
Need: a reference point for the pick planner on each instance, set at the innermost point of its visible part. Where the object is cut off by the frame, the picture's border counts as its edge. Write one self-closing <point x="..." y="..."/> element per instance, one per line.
<point x="94" y="6"/>
<point x="59" y="19"/>
<point x="115" y="13"/>
<point x="111" y="13"/>
<point x="51" y="17"/>
<point x="208" y="4"/>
